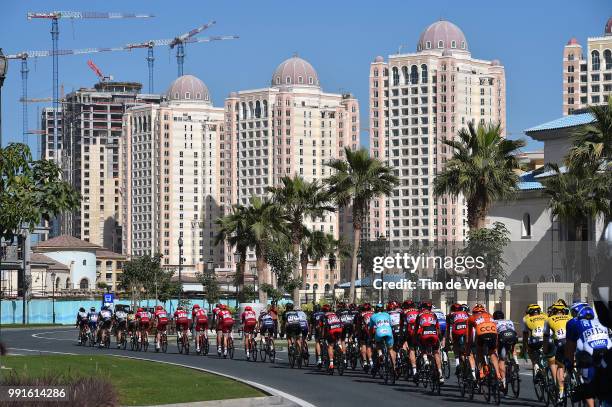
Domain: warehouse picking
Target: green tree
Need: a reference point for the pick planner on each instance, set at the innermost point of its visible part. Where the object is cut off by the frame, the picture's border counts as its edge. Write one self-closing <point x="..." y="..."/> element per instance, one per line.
<point x="313" y="248"/>
<point x="592" y="144"/>
<point x="482" y="169"/>
<point x="300" y="199"/>
<point x="356" y="181"/>
<point x="212" y="291"/>
<point x="282" y="263"/>
<point x="30" y="191"/>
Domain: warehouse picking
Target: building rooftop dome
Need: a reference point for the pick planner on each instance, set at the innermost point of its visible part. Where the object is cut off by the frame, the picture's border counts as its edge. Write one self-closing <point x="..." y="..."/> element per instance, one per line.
<point x="379" y="59"/>
<point x="608" y="28"/>
<point x="442" y="35"/>
<point x="572" y="41"/>
<point x="188" y="88"/>
<point x="295" y="71"/>
<point x="495" y="62"/>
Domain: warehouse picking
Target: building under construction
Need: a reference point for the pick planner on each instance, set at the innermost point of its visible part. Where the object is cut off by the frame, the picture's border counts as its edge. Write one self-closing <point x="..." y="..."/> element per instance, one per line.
<point x="91" y="127"/>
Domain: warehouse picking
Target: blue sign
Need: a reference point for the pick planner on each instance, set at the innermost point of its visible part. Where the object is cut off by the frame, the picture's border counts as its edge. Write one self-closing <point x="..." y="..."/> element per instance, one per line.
<point x="109" y="298"/>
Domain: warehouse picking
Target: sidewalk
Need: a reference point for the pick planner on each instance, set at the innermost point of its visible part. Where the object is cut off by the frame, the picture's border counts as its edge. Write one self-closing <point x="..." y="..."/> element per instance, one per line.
<point x="246" y="402"/>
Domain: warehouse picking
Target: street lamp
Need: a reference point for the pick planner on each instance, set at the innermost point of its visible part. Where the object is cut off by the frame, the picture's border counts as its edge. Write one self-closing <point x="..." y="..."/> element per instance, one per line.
<point x="238" y="257"/>
<point x="53" y="295"/>
<point x="180" y="280"/>
<point x="3" y="71"/>
<point x="210" y="271"/>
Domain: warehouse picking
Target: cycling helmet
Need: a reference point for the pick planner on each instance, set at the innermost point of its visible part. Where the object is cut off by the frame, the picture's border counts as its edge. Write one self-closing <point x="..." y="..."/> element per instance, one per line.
<point x="340" y="305"/>
<point x="367" y="306"/>
<point x="248" y="308"/>
<point x="81" y="309"/>
<point x="498" y="314"/>
<point x="576" y="307"/>
<point x="224" y="306"/>
<point x="533" y="309"/>
<point x="465" y="308"/>
<point x="352" y="306"/>
<point x="456" y="307"/>
<point x="379" y="308"/>
<point x="586" y="313"/>
<point x="559" y="307"/>
<point x="316" y="308"/>
<point x="141" y="309"/>
<point x="390" y="306"/>
<point x="179" y="308"/>
<point x="196" y="306"/>
<point x="159" y="308"/>
<point x="92" y="309"/>
<point x="425" y="305"/>
<point x="289" y="306"/>
<point x="478" y="308"/>
<point x="325" y="308"/>
<point x="408" y="304"/>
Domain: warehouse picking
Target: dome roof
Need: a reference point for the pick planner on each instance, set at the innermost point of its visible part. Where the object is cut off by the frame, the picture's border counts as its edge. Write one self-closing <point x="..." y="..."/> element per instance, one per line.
<point x="442" y="35"/>
<point x="608" y="29"/>
<point x="295" y="71"/>
<point x="495" y="62"/>
<point x="572" y="41"/>
<point x="188" y="88"/>
<point x="379" y="59"/>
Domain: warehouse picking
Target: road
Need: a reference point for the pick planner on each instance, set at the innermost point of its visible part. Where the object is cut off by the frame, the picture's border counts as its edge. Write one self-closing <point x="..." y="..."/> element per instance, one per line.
<point x="351" y="389"/>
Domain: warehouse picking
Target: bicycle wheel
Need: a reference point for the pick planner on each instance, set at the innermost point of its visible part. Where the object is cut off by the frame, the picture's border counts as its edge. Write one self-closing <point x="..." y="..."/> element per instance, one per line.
<point x="516" y="380"/>
<point x="179" y="343"/>
<point x="496" y="392"/>
<point x="298" y="358"/>
<point x="186" y="346"/>
<point x="461" y="382"/>
<point x="272" y="355"/>
<point x="538" y="385"/>
<point x="145" y="342"/>
<point x="230" y="347"/>
<point x="551" y="389"/>
<point x="435" y="382"/>
<point x="291" y="356"/>
<point x="164" y="343"/>
<point x="206" y="346"/>
<point x="446" y="369"/>
<point x="339" y="361"/>
<point x="263" y="350"/>
<point x="485" y="387"/>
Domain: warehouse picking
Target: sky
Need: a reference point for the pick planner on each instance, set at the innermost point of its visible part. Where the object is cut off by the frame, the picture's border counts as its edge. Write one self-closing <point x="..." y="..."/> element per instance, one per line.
<point x="339" y="38"/>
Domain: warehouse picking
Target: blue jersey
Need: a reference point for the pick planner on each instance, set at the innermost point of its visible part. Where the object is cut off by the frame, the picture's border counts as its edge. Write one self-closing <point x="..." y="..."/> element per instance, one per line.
<point x="441" y="320"/>
<point x="381" y="321"/>
<point x="303" y="320"/>
<point x="589" y="335"/>
<point x="266" y="321"/>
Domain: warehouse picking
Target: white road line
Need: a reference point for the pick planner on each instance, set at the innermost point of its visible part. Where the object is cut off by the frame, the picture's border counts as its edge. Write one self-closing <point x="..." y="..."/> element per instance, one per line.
<point x="44" y="351"/>
<point x="52" y="332"/>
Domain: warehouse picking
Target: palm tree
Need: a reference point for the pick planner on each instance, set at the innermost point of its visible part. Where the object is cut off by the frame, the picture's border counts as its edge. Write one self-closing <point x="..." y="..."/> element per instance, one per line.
<point x="481" y="169"/>
<point x="313" y="248"/>
<point x="265" y="224"/>
<point x="355" y="182"/>
<point x="593" y="142"/>
<point x="299" y="199"/>
<point x="576" y="197"/>
<point x="233" y="229"/>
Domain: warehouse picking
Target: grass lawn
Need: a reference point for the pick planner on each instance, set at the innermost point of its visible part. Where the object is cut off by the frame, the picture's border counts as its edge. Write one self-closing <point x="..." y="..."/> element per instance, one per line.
<point x="137" y="382"/>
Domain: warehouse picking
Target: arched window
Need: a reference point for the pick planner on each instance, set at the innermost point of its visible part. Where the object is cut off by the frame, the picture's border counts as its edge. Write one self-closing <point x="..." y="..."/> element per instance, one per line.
<point x="462" y="44"/>
<point x="424" y="73"/>
<point x="570" y="57"/>
<point x="310" y="80"/>
<point x="57" y="283"/>
<point x="376" y="73"/>
<point x="265" y="108"/>
<point x="84" y="262"/>
<point x="315" y="287"/>
<point x="327" y="288"/>
<point x="440" y="44"/>
<point x="526" y="279"/>
<point x="198" y="96"/>
<point x="526" y="226"/>
<point x="414" y="74"/>
<point x="278" y="80"/>
<point x="244" y="111"/>
<point x="595" y="60"/>
<point x="428" y="45"/>
<point x="386" y="72"/>
<point x="84" y="284"/>
<point x="68" y="283"/>
<point x="395" y="76"/>
<point x="288" y="80"/>
<point x="258" y="109"/>
<point x="307" y="287"/>
<point x="608" y="58"/>
<point x="405" y="75"/>
<point x="453" y="44"/>
<point x="300" y="80"/>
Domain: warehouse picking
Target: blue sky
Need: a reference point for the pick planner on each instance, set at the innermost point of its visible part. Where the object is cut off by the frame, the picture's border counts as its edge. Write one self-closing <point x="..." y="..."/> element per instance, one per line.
<point x="340" y="38"/>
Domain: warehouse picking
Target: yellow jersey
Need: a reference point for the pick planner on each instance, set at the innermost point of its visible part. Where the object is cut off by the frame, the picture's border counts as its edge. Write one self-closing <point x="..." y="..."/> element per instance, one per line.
<point x="556" y="324"/>
<point x="534" y="325"/>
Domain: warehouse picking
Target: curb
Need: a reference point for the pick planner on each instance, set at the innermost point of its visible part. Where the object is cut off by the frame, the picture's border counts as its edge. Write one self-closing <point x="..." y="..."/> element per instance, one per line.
<point x="244" y="402"/>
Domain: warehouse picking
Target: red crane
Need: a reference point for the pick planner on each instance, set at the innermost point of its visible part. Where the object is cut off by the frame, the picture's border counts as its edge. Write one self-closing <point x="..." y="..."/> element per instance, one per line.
<point x="98" y="72"/>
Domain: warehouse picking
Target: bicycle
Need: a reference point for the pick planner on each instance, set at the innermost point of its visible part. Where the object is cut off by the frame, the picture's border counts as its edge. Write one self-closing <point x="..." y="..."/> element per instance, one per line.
<point x="539" y="377"/>
<point x="383" y="366"/>
<point x="134" y="344"/>
<point x="305" y="353"/>
<point x="467" y="383"/>
<point x="163" y="342"/>
<point x="123" y="343"/>
<point x="182" y="341"/>
<point x="83" y="336"/>
<point x="144" y="340"/>
<point x="489" y="384"/>
<point x="352" y="353"/>
<point x="339" y="358"/>
<point x="251" y="344"/>
<point x="513" y="378"/>
<point x="230" y="347"/>
<point x="292" y="355"/>
<point x="446" y="368"/>
<point x="266" y="349"/>
<point x="203" y="344"/>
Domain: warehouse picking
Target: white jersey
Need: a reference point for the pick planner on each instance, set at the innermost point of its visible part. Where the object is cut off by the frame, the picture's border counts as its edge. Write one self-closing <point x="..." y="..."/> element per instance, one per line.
<point x="504" y="325"/>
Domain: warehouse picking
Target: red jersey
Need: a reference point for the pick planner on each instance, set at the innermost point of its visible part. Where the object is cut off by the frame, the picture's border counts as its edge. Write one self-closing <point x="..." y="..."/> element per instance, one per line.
<point x="249" y="318"/>
<point x="457" y="321"/>
<point x="225" y="316"/>
<point x="180" y="315"/>
<point x="427" y="324"/>
<point x="142" y="316"/>
<point x="409" y="317"/>
<point x="199" y="315"/>
<point x="161" y="315"/>
<point x="365" y="320"/>
<point x="331" y="321"/>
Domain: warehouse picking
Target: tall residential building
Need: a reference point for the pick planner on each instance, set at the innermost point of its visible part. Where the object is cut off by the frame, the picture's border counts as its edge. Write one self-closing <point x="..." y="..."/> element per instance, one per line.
<point x="171" y="164"/>
<point x="587" y="80"/>
<point x="47" y="152"/>
<point x="417" y="100"/>
<point x="290" y="128"/>
<point x="92" y="123"/>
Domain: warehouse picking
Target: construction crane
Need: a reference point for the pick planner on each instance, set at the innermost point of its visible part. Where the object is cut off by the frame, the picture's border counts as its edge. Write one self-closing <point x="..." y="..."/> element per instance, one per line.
<point x="25" y="55"/>
<point x="55" y="16"/>
<point x="98" y="72"/>
<point x="178" y="42"/>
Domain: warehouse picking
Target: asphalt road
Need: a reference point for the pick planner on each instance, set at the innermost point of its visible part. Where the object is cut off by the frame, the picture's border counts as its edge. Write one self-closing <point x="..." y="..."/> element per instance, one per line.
<point x="354" y="388"/>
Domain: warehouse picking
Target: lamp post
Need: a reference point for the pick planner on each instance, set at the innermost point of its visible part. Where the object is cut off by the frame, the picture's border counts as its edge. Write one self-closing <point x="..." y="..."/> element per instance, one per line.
<point x="210" y="270"/>
<point x="53" y="294"/>
<point x="381" y="294"/>
<point x="3" y="71"/>
<point x="238" y="258"/>
<point x="180" y="280"/>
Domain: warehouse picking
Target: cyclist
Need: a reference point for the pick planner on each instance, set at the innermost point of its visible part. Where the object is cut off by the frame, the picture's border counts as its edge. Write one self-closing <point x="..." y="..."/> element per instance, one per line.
<point x="587" y="343"/>
<point x="533" y="333"/>
<point x="442" y="321"/>
<point x="362" y="323"/>
<point x="249" y="321"/>
<point x="506" y="340"/>
<point x="457" y="331"/>
<point x="161" y="323"/>
<point x="106" y="318"/>
<point x="304" y="328"/>
<point x="348" y="318"/>
<point x="315" y="328"/>
<point x="395" y="314"/>
<point x="92" y="318"/>
<point x="482" y="331"/>
<point x="215" y="315"/>
<point x="81" y="322"/>
<point x="290" y="325"/>
<point x="181" y="322"/>
<point x="381" y="327"/>
<point x="427" y="332"/>
<point x="332" y="329"/>
<point x="407" y="322"/>
<point x="120" y="322"/>
<point x="555" y="328"/>
<point x="131" y="322"/>
<point x="143" y="320"/>
<point x="265" y="325"/>
<point x="226" y="320"/>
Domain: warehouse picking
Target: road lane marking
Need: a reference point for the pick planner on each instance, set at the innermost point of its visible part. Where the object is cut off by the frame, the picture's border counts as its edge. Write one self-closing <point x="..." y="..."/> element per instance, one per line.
<point x="43" y="351"/>
<point x="52" y="332"/>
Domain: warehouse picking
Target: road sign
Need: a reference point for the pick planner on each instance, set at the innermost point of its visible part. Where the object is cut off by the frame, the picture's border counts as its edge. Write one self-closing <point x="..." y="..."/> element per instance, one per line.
<point x="109" y="298"/>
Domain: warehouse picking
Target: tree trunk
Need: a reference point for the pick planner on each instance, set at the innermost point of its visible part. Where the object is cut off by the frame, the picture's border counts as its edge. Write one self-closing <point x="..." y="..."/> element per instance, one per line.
<point x="261" y="265"/>
<point x="578" y="272"/>
<point x="476" y="220"/>
<point x="354" y="265"/>
<point x="304" y="265"/>
<point x="295" y="250"/>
